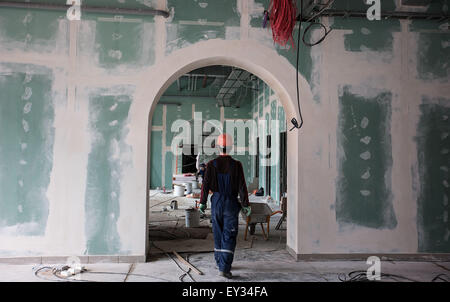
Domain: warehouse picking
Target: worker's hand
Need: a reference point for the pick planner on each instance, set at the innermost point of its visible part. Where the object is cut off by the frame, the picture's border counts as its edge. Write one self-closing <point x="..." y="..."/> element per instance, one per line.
<point x="202" y="208"/>
<point x="247" y="210"/>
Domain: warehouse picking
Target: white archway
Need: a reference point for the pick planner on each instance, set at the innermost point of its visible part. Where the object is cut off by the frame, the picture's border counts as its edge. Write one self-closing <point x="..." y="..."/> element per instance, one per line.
<point x="254" y="57"/>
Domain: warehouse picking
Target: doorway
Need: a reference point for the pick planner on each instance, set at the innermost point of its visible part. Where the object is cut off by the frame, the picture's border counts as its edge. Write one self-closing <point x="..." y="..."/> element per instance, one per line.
<point x="219" y="94"/>
<point x="276" y="72"/>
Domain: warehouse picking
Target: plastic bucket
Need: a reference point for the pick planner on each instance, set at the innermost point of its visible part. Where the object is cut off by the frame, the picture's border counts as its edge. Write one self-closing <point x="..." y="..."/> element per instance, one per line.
<point x="178" y="190"/>
<point x="188" y="187"/>
<point x="194" y="185"/>
<point x="192" y="218"/>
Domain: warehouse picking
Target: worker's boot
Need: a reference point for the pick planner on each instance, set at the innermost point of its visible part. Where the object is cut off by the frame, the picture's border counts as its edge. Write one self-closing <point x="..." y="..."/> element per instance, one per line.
<point x="228" y="275"/>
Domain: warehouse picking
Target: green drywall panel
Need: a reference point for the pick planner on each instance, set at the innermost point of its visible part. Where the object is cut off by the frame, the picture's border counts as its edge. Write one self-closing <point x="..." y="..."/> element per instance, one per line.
<point x="266" y="95"/>
<point x="257" y="20"/>
<point x="386" y="5"/>
<point x="234" y="134"/>
<point x="120" y="43"/>
<point x="254" y="103"/>
<point x="194" y="21"/>
<point x="433" y="145"/>
<point x="243" y="112"/>
<point x="262" y="174"/>
<point x="275" y="152"/>
<point x="26" y="148"/>
<point x="372" y="35"/>
<point x="237" y="113"/>
<point x="274" y="173"/>
<point x="157" y="118"/>
<point x="246" y="166"/>
<point x="288" y="51"/>
<point x="273" y="110"/>
<point x="29" y="28"/>
<point x="209" y="11"/>
<point x="209" y="109"/>
<point x="363" y="194"/>
<point x="276" y="111"/>
<point x="183" y="112"/>
<point x="368" y="35"/>
<point x="108" y="115"/>
<point x="260" y="105"/>
<point x="282" y="119"/>
<point x="433" y="56"/>
<point x="178" y="164"/>
<point x="169" y="169"/>
<point x="156" y="159"/>
<point x="423" y="25"/>
<point x="182" y="35"/>
<point x="119" y="3"/>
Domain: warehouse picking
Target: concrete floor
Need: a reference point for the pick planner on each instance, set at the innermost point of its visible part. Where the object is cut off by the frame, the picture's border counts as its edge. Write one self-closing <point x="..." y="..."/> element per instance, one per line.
<point x="249" y="265"/>
<point x="266" y="260"/>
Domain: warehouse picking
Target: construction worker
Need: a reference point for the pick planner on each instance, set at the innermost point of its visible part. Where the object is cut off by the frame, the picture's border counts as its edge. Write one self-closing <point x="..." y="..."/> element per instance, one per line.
<point x="224" y="176"/>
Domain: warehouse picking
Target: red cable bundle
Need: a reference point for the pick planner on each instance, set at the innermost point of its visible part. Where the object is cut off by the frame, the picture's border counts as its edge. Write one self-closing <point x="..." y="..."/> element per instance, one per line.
<point x="283" y="15"/>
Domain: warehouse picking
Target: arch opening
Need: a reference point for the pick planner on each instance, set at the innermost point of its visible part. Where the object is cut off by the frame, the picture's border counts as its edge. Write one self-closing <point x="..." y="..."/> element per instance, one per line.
<point x="274" y="80"/>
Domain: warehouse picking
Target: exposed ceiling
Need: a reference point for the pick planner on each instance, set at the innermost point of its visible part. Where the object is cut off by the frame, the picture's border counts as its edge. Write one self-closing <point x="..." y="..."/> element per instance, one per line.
<point x="227" y="85"/>
<point x="416" y="2"/>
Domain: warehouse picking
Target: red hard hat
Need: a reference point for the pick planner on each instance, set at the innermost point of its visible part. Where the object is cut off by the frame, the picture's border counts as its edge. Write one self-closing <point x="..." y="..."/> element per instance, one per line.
<point x="224" y="140"/>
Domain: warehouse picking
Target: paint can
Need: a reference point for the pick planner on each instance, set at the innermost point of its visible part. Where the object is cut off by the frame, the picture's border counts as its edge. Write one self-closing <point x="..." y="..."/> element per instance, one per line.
<point x="194" y="185"/>
<point x="178" y="190"/>
<point x="188" y="186"/>
<point x="192" y="218"/>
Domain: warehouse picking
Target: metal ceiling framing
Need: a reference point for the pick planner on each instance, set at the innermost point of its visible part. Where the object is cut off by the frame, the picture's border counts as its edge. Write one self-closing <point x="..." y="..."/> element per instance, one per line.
<point x="384" y="15"/>
<point x="86" y="8"/>
<point x="235" y="80"/>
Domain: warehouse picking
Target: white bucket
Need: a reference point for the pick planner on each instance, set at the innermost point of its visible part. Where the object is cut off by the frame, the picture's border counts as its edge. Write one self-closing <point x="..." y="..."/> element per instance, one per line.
<point x="188" y="187"/>
<point x="194" y="185"/>
<point x="178" y="190"/>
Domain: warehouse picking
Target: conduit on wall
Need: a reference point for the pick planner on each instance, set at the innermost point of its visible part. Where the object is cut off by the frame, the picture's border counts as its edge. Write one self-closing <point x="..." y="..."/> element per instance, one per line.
<point x="385" y="15"/>
<point x="87" y="9"/>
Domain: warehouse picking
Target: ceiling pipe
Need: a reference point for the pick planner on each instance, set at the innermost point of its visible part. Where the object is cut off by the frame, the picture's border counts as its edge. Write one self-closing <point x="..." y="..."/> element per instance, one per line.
<point x="187" y="96"/>
<point x="86" y="8"/>
<point x="169" y="103"/>
<point x="202" y="75"/>
<point x="384" y="15"/>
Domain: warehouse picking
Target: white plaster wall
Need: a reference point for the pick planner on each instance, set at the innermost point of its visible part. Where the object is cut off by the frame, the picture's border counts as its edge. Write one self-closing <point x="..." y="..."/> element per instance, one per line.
<point x="311" y="222"/>
<point x="371" y="72"/>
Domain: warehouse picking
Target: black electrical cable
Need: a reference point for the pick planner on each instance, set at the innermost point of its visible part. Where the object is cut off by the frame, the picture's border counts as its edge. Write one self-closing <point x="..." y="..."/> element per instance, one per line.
<point x="137" y="275"/>
<point x="299" y="37"/>
<point x="294" y="121"/>
<point x="56" y="272"/>
<point x="168" y="255"/>
<point x="36" y="273"/>
<point x="171" y="198"/>
<point x="439" y="277"/>
<point x="361" y="276"/>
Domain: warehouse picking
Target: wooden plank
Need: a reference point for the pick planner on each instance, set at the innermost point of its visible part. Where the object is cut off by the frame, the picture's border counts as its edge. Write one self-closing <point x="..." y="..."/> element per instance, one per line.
<point x="188" y="263"/>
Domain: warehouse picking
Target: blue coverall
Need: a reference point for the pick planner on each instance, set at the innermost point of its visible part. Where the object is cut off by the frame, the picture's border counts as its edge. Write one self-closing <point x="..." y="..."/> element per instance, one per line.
<point x="225" y="220"/>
